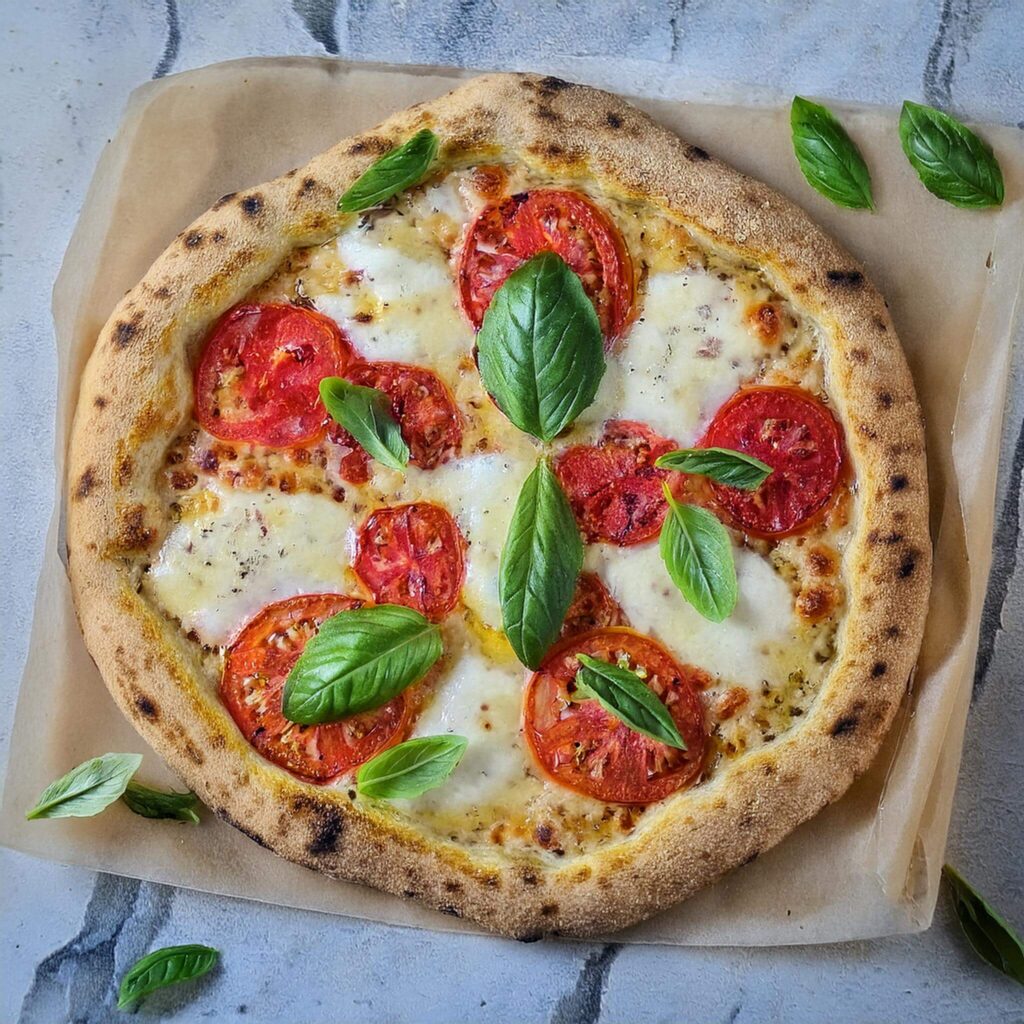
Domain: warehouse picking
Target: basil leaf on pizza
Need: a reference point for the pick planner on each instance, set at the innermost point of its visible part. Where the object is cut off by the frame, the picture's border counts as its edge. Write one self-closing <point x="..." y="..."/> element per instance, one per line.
<point x="697" y="552"/>
<point x="392" y="173"/>
<point x="625" y="695"/>
<point x="88" y="788"/>
<point x="541" y="559"/>
<point x="411" y="768"/>
<point x="359" y="660"/>
<point x="988" y="932"/>
<point x="952" y="162"/>
<point x="155" y="803"/>
<point x="723" y="465"/>
<point x="164" y="967"/>
<point x="829" y="159"/>
<point x="540" y="349"/>
<point x="366" y="414"/>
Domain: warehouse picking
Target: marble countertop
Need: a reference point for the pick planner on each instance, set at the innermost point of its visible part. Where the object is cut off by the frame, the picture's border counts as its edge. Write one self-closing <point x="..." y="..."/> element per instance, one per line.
<point x="69" y="66"/>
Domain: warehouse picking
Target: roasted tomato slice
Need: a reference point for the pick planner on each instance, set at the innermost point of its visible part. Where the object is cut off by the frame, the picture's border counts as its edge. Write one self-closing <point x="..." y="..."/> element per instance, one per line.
<point x="614" y="487"/>
<point x="256" y="666"/>
<point x="798" y="437"/>
<point x="259" y="375"/>
<point x="412" y="555"/>
<point x="509" y="232"/>
<point x="422" y="405"/>
<point x="580" y="745"/>
<point x="593" y="607"/>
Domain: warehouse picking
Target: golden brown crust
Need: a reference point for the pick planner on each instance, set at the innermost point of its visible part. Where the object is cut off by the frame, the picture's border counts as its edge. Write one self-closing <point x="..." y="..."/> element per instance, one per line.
<point x="136" y="393"/>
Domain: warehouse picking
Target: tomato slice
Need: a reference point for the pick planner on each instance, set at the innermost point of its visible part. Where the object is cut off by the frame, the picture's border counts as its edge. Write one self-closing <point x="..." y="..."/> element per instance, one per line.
<point x="507" y="233"/>
<point x="593" y="607"/>
<point x="258" y="377"/>
<point x="614" y="487"/>
<point x="424" y="408"/>
<point x="582" y="746"/>
<point x="412" y="555"/>
<point x="256" y="666"/>
<point x="798" y="437"/>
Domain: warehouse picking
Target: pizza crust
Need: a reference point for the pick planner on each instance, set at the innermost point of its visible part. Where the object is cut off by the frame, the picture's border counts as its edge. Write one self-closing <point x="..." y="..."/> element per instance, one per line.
<point x="137" y="393"/>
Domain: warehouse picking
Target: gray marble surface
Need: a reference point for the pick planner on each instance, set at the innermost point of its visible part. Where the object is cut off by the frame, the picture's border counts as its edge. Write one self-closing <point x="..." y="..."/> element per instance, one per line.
<point x="68" y="66"/>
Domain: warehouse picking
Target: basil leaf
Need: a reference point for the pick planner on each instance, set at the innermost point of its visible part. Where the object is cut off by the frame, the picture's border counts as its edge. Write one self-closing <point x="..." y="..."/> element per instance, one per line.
<point x="989" y="934"/>
<point x="153" y="803"/>
<point x="358" y="661"/>
<point x="164" y="967"/>
<point x="411" y="768"/>
<point x="366" y="414"/>
<point x="625" y="695"/>
<point x="87" y="789"/>
<point x="828" y="157"/>
<point x="542" y="557"/>
<point x="723" y="465"/>
<point x="392" y="173"/>
<point x="949" y="158"/>
<point x="697" y="552"/>
<point x="541" y="352"/>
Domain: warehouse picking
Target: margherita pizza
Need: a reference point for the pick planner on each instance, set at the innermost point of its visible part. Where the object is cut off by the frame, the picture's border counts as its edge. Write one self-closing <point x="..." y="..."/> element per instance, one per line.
<point x="539" y="532"/>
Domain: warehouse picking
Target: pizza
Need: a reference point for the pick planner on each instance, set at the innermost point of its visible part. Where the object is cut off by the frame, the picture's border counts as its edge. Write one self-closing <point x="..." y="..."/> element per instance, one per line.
<point x="540" y="532"/>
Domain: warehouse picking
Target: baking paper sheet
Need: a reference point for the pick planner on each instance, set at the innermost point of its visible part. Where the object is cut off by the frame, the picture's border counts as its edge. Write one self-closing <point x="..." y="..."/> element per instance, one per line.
<point x="867" y="866"/>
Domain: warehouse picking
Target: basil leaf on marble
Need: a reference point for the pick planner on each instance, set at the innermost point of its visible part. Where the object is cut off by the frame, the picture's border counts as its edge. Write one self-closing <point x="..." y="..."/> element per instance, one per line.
<point x="952" y="162"/>
<point x="87" y="789"/>
<point x="625" y="695"/>
<point x="155" y="803"/>
<point x="828" y="157"/>
<point x="723" y="465"/>
<point x="541" y="351"/>
<point x="366" y="414"/>
<point x="392" y="173"/>
<point x="541" y="559"/>
<point x="411" y="768"/>
<point x="164" y="967"/>
<point x="989" y="934"/>
<point x="697" y="552"/>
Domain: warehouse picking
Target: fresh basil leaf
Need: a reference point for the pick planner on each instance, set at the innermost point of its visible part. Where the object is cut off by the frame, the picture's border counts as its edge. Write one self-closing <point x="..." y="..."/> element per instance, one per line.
<point x="623" y="694"/>
<point x="164" y="967"/>
<point x="697" y="552"/>
<point x="392" y="173"/>
<point x="358" y="661"/>
<point x="366" y="414"/>
<point x="541" y="559"/>
<point x="541" y="352"/>
<point x="952" y="162"/>
<point x="154" y="803"/>
<point x="411" y="768"/>
<point x="723" y="465"/>
<point x="828" y="157"/>
<point x="989" y="934"/>
<point x="87" y="789"/>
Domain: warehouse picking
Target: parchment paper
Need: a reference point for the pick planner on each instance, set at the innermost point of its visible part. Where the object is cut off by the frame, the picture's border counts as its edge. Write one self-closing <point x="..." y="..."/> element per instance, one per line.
<point x="868" y="865"/>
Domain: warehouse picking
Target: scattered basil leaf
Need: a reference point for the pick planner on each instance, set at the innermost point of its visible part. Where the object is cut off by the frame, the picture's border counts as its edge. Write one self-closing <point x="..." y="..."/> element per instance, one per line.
<point x="359" y="660"/>
<point x="625" y="695"/>
<point x="697" y="552"/>
<point x="366" y="414"/>
<point x="828" y="157"/>
<point x="541" y="559"/>
<point x="952" y="162"/>
<point x="392" y="173"/>
<point x="164" y="967"/>
<point x="411" y="768"/>
<point x="154" y="803"/>
<point x="723" y="465"/>
<point x="989" y="934"/>
<point x="541" y="351"/>
<point x="87" y="789"/>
